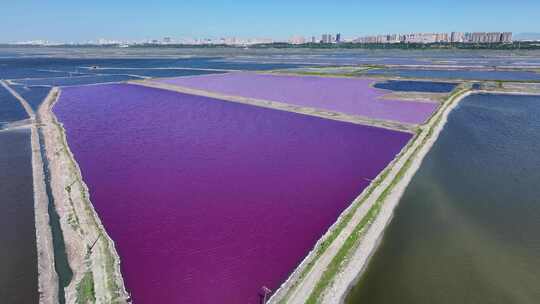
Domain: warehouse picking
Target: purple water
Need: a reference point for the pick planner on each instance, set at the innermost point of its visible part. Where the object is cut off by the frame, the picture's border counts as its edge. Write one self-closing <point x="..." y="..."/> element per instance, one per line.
<point x="207" y="200"/>
<point x="346" y="95"/>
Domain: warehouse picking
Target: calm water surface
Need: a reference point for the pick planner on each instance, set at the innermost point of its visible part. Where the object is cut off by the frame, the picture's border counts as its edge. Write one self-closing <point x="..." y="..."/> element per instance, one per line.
<point x="466" y="230"/>
<point x="207" y="200"/>
<point x="34" y="95"/>
<point x="346" y="95"/>
<point x="18" y="256"/>
<point x="459" y="74"/>
<point x="416" y="86"/>
<point x="77" y="80"/>
<point x="10" y="108"/>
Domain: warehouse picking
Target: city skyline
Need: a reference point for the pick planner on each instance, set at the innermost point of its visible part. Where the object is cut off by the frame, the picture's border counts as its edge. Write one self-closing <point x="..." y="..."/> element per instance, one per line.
<point x="64" y="21"/>
<point x="325" y="38"/>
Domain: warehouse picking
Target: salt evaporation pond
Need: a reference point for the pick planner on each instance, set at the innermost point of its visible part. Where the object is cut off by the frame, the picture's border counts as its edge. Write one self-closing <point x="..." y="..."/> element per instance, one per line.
<point x="152" y="72"/>
<point x="10" y="108"/>
<point x="18" y="251"/>
<point x="346" y="95"/>
<point x="459" y="74"/>
<point x="76" y="80"/>
<point x="466" y="229"/>
<point x="34" y="95"/>
<point x="207" y="200"/>
<point x="416" y="86"/>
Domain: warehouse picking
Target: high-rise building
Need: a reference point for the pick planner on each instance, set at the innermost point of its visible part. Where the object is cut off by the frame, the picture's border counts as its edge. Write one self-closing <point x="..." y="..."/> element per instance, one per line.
<point x="327" y="38"/>
<point x="338" y="37"/>
<point x="493" y="37"/>
<point x="394" y="38"/>
<point x="506" y="37"/>
<point x="441" y="37"/>
<point x="457" y="37"/>
<point x="478" y="37"/>
<point x="324" y="38"/>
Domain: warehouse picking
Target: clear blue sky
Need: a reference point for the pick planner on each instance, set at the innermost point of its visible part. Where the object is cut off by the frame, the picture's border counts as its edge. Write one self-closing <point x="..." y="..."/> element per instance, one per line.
<point x="73" y="20"/>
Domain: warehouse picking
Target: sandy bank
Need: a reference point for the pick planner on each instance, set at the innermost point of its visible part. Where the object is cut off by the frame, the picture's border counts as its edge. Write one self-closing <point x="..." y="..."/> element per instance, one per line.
<point x="90" y="252"/>
<point x="328" y="271"/>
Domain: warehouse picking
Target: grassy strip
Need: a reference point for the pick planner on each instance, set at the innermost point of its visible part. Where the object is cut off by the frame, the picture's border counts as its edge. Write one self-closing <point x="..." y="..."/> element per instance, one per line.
<point x="73" y="219"/>
<point x="352" y="241"/>
<point x="85" y="289"/>
<point x="110" y="274"/>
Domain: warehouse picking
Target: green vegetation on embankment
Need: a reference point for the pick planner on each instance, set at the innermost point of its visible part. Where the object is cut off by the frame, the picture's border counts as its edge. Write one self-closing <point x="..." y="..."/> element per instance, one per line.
<point x="353" y="240"/>
<point x="85" y="289"/>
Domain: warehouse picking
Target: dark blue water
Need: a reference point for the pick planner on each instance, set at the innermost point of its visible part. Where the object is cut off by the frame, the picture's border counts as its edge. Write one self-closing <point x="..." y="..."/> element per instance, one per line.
<point x="8" y="71"/>
<point x="466" y="229"/>
<point x="10" y="108"/>
<point x="34" y="95"/>
<point x="18" y="254"/>
<point x="33" y="77"/>
<point x="15" y="68"/>
<point x="152" y="72"/>
<point x="458" y="74"/>
<point x="77" y="80"/>
<point x="416" y="86"/>
<point x="476" y="86"/>
<point x="263" y="58"/>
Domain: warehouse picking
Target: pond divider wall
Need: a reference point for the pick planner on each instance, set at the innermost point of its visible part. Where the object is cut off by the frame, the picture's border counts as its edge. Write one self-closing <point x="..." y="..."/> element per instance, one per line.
<point x="339" y="257"/>
<point x="47" y="276"/>
<point x="357" y="119"/>
<point x="91" y="253"/>
<point x="358" y="259"/>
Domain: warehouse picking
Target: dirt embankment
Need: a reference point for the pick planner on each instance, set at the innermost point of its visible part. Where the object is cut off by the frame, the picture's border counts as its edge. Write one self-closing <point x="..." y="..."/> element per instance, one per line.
<point x="90" y="252"/>
<point x="358" y="261"/>
<point x="47" y="277"/>
<point x="338" y="259"/>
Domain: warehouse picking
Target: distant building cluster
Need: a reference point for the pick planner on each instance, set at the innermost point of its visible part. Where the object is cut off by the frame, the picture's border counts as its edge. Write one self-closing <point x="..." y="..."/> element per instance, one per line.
<point x="37" y="42"/>
<point x="324" y="38"/>
<point x="477" y="37"/>
<point x="461" y="37"/>
<point x="211" y="41"/>
<point x="226" y="41"/>
<point x="329" y="38"/>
